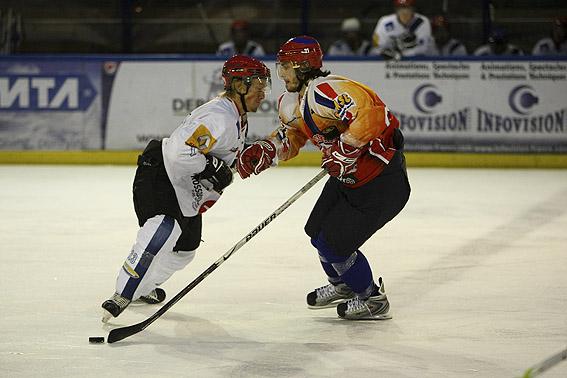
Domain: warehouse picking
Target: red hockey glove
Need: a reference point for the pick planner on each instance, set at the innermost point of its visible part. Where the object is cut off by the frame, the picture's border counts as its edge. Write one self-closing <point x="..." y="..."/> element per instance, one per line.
<point x="255" y="158"/>
<point x="340" y="159"/>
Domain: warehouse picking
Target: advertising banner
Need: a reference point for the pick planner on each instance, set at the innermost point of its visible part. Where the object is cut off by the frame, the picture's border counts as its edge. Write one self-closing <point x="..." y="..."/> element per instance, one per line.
<point x="453" y="105"/>
<point x="150" y="99"/>
<point x="474" y="106"/>
<point x="50" y="105"/>
<point x="478" y="106"/>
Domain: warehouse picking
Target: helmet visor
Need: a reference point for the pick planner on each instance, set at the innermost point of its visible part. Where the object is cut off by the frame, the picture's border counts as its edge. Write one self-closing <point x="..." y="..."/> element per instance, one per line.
<point x="284" y="68"/>
<point x="262" y="83"/>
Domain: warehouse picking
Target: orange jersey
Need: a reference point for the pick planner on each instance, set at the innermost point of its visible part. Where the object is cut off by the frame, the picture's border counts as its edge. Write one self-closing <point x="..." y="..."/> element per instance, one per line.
<point x="336" y="107"/>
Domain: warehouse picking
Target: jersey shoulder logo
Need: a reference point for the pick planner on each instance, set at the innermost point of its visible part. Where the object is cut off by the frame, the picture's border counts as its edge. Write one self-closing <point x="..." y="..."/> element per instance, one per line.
<point x="326" y="96"/>
<point x="201" y="139"/>
<point x="342" y="103"/>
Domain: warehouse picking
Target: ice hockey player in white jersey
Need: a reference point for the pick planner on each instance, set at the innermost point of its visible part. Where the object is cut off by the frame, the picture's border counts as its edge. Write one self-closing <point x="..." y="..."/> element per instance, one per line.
<point x="444" y="44"/>
<point x="498" y="45"/>
<point x="403" y="33"/>
<point x="351" y="43"/>
<point x="240" y="42"/>
<point x="556" y="44"/>
<point x="180" y="177"/>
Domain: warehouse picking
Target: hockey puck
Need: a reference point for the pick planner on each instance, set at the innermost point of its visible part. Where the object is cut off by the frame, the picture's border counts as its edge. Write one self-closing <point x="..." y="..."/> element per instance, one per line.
<point x="96" y="340"/>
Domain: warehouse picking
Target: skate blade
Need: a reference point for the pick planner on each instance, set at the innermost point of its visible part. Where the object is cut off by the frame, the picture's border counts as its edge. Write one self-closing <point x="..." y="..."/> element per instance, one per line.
<point x="375" y="317"/>
<point x="106" y="316"/>
<point x="330" y="305"/>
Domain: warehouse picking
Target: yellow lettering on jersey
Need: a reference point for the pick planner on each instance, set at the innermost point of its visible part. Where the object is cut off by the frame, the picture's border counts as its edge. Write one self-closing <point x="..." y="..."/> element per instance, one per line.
<point x="202" y="139"/>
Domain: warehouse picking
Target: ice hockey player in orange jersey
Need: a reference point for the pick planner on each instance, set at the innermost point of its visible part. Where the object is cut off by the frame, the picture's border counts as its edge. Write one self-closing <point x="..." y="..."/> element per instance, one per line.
<point x="361" y="147"/>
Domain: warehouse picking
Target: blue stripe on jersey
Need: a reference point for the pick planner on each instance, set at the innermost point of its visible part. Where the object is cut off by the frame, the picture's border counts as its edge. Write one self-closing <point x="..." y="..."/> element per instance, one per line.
<point x="156" y="243"/>
<point x="308" y="119"/>
<point x="324" y="101"/>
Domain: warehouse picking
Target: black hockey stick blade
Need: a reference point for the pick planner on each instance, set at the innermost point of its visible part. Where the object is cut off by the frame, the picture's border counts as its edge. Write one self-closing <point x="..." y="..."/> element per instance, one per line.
<point x="124" y="332"/>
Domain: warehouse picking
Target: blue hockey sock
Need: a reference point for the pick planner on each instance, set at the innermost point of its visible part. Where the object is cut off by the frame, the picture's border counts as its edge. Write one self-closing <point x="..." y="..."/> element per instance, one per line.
<point x="353" y="270"/>
<point x="359" y="275"/>
<point x="332" y="274"/>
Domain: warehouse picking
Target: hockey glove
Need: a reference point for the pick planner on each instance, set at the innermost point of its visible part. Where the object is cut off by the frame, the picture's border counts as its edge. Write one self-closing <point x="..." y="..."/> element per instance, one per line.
<point x="255" y="158"/>
<point x="340" y="159"/>
<point x="216" y="175"/>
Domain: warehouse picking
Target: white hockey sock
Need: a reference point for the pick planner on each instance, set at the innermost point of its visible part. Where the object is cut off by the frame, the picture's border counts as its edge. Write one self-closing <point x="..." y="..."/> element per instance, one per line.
<point x="157" y="236"/>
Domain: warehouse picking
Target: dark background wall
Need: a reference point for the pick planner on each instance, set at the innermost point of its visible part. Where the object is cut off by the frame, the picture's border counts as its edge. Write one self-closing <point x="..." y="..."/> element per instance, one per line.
<point x="175" y="26"/>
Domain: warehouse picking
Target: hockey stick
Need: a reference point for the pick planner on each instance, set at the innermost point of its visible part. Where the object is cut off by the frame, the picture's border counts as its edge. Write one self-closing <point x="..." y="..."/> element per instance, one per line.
<point x="548" y="363"/>
<point x="118" y="334"/>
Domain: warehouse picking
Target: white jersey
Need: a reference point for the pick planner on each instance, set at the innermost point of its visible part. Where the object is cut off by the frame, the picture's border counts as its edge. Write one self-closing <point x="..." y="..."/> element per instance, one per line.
<point x="453" y="47"/>
<point x="252" y="48"/>
<point x="214" y="128"/>
<point x="487" y="50"/>
<point x="342" y="48"/>
<point x="546" y="46"/>
<point x="389" y="30"/>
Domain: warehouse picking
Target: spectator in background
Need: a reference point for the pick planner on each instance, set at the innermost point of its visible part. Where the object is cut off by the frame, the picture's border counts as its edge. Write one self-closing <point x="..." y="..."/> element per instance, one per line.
<point x="403" y="33"/>
<point x="444" y="44"/>
<point x="498" y="45"/>
<point x="351" y="43"/>
<point x="240" y="42"/>
<point x="557" y="43"/>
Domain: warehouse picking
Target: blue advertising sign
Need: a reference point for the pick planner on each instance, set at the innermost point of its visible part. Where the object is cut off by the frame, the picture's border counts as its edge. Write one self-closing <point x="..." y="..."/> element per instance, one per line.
<point x="50" y="105"/>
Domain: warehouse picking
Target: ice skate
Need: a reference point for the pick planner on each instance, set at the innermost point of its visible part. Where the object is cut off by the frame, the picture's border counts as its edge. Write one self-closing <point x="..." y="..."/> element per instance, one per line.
<point x="329" y="296"/>
<point x="375" y="307"/>
<point x="157" y="295"/>
<point x="114" y="306"/>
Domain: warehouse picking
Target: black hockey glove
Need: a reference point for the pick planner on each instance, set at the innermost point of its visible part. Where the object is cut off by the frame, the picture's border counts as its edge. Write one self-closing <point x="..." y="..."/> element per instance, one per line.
<point x="216" y="175"/>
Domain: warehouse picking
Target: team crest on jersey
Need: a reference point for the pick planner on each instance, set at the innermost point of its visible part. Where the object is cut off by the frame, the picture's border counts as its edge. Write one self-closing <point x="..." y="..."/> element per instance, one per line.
<point x="326" y="96"/>
<point x="342" y="103"/>
<point x="202" y="139"/>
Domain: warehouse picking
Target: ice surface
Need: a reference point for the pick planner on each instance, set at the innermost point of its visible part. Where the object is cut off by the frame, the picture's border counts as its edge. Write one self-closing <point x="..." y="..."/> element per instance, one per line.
<point x="475" y="268"/>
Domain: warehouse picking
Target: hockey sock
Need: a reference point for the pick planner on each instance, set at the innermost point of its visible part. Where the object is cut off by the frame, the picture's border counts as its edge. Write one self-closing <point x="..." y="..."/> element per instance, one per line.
<point x="358" y="275"/>
<point x="158" y="235"/>
<point x="353" y="270"/>
<point x="332" y="274"/>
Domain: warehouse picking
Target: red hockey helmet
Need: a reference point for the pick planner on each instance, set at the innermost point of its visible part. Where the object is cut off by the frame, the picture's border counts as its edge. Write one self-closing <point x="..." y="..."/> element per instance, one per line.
<point x="303" y="52"/>
<point x="245" y="68"/>
<point x="404" y="3"/>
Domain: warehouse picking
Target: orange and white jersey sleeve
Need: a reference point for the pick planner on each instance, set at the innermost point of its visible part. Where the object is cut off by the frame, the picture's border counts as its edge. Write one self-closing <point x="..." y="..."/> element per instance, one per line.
<point x="291" y="121"/>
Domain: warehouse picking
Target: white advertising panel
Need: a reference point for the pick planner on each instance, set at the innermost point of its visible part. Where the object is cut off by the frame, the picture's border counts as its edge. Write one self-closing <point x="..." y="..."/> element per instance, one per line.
<point x="442" y="105"/>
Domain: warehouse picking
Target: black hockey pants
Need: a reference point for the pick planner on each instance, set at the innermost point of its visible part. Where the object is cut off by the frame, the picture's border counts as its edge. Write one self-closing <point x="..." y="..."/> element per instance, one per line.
<point x="154" y="195"/>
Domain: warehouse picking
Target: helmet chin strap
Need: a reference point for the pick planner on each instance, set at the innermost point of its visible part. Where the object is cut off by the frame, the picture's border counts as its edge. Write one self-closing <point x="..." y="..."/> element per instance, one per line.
<point x="243" y="102"/>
